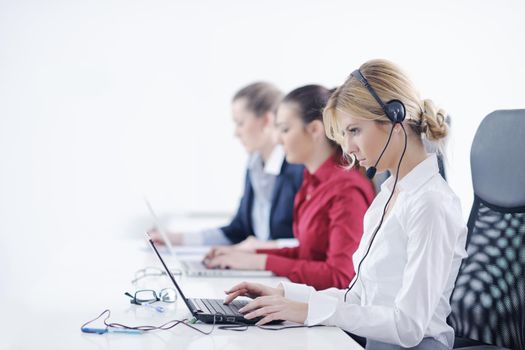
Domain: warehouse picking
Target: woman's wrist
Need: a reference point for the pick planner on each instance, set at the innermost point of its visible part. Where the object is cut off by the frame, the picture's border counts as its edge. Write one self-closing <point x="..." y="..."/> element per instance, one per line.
<point x="280" y="289"/>
<point x="261" y="261"/>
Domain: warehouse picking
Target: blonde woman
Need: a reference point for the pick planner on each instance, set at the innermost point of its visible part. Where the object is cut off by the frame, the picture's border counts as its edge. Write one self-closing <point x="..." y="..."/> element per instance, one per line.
<point x="414" y="235"/>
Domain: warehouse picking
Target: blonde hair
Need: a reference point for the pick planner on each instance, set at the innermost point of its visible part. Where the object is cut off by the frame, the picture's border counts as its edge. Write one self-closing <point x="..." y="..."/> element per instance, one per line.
<point x="390" y="83"/>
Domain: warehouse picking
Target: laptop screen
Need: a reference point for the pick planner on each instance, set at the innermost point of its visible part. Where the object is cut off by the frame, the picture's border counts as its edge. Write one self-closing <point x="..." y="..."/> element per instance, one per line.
<point x="169" y="274"/>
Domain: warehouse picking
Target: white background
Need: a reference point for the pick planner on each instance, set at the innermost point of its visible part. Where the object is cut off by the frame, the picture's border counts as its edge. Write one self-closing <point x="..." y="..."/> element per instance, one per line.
<point x="102" y="102"/>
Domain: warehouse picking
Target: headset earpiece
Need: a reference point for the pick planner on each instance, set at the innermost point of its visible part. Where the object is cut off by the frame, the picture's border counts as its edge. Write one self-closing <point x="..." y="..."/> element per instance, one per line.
<point x="395" y="111"/>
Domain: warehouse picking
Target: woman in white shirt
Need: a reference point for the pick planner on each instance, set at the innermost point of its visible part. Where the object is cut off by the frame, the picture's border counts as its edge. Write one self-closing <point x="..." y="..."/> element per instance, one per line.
<point x="414" y="235"/>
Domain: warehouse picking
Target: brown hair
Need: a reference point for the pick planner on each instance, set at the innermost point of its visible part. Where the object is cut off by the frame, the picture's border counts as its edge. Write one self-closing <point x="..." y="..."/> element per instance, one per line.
<point x="261" y="97"/>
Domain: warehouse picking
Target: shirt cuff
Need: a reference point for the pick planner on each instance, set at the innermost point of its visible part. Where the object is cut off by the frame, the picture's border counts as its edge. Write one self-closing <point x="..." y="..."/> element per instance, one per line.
<point x="320" y="308"/>
<point x="213" y="236"/>
<point x="287" y="243"/>
<point x="297" y="292"/>
<point x="192" y="238"/>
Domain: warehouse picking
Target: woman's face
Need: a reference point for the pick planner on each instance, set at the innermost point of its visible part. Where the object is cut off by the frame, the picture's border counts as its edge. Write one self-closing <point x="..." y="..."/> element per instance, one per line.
<point x="248" y="127"/>
<point x="365" y="139"/>
<point x="297" y="142"/>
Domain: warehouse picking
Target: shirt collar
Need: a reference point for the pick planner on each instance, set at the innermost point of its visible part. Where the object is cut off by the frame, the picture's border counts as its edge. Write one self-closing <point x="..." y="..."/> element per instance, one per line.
<point x="416" y="177"/>
<point x="325" y="170"/>
<point x="273" y="164"/>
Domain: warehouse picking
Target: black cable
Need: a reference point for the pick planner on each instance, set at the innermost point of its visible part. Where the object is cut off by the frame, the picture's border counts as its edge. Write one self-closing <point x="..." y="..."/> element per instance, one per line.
<point x="384" y="211"/>
<point x="235" y="326"/>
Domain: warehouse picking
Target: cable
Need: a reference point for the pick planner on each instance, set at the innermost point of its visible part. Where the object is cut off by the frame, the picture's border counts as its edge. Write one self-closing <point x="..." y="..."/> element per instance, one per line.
<point x="236" y="327"/>
<point x="384" y="212"/>
<point x="147" y="328"/>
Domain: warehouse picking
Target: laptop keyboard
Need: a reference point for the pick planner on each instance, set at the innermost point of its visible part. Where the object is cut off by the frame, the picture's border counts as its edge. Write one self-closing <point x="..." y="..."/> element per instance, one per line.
<point x="216" y="306"/>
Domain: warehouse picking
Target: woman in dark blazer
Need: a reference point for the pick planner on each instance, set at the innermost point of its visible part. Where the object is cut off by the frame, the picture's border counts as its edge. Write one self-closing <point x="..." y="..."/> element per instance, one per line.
<point x="266" y="208"/>
<point x="286" y="185"/>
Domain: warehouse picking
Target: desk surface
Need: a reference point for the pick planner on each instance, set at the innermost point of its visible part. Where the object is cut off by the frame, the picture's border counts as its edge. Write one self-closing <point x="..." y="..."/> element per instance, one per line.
<point x="86" y="277"/>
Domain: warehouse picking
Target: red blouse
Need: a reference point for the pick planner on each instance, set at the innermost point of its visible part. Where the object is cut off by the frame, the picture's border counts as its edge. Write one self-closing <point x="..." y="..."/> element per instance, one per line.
<point x="328" y="223"/>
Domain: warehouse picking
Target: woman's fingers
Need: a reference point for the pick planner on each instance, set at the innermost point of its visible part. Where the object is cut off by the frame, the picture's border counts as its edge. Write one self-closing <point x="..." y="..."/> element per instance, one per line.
<point x="258" y="303"/>
<point x="242" y="285"/>
<point x="154" y="235"/>
<point x="274" y="307"/>
<point x="229" y="298"/>
<point x="252" y="289"/>
<point x="211" y="254"/>
<point x="217" y="251"/>
<point x="211" y="263"/>
<point x="263" y="311"/>
<point x="253" y="305"/>
<point x="268" y="318"/>
<point x="222" y="262"/>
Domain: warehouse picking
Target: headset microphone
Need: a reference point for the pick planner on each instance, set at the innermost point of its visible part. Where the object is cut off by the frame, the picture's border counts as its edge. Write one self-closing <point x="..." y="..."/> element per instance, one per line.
<point x="394" y="110"/>
<point x="371" y="172"/>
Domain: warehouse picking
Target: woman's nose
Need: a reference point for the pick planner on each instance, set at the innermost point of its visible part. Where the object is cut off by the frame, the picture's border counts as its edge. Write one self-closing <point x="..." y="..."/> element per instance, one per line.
<point x="279" y="138"/>
<point x="349" y="147"/>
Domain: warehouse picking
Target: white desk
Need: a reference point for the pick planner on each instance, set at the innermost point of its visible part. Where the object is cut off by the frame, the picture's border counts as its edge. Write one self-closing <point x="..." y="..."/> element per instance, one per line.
<point x="50" y="306"/>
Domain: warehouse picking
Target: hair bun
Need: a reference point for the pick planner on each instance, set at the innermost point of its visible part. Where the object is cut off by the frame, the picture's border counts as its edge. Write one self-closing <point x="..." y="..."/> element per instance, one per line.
<point x="433" y="121"/>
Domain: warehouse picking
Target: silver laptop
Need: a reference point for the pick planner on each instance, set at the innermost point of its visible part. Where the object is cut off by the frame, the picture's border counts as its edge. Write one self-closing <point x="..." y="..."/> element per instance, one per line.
<point x="159" y="227"/>
<point x="192" y="264"/>
<point x="196" y="268"/>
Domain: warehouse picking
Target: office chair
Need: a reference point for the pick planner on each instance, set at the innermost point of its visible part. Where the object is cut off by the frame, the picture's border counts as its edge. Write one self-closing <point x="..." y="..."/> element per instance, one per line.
<point x="488" y="301"/>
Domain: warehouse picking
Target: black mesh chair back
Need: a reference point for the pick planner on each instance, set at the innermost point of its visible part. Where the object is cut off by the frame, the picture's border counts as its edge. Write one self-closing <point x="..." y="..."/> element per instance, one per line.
<point x="488" y="301"/>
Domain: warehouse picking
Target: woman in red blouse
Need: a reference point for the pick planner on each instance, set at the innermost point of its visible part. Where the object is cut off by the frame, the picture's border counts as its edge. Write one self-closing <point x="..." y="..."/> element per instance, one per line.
<point x="328" y="208"/>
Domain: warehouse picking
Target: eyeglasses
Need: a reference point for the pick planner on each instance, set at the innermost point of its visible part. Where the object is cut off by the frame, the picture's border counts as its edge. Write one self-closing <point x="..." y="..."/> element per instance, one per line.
<point x="148" y="296"/>
<point x="152" y="272"/>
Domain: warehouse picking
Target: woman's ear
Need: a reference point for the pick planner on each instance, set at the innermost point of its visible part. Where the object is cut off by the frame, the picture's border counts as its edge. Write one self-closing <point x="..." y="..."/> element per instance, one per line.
<point x="316" y="129"/>
<point x="398" y="128"/>
<point x="268" y="119"/>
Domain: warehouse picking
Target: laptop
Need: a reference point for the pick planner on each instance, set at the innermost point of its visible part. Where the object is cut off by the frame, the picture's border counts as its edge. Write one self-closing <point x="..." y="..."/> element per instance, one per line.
<point x="195" y="267"/>
<point x="208" y="310"/>
<point x="159" y="227"/>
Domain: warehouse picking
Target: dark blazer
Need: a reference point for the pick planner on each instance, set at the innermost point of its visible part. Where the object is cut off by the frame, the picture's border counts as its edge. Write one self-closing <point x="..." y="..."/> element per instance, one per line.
<point x="287" y="184"/>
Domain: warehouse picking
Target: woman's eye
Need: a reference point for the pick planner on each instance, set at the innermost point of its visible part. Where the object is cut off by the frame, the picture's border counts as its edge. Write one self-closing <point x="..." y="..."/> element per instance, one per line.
<point x="353" y="131"/>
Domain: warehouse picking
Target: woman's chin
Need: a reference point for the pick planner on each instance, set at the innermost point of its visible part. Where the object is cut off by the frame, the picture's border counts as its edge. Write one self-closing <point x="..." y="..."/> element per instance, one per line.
<point x="292" y="160"/>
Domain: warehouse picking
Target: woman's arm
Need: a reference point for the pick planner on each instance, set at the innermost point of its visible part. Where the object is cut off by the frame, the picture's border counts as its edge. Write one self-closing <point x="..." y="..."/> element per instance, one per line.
<point x="343" y="234"/>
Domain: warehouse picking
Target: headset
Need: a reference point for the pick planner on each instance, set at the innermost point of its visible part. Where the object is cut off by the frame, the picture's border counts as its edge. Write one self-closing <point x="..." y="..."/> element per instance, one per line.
<point x="395" y="111"/>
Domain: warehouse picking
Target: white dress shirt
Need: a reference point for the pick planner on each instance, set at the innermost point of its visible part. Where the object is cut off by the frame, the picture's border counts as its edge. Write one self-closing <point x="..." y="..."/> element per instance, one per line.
<point x="262" y="177"/>
<point x="403" y="290"/>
